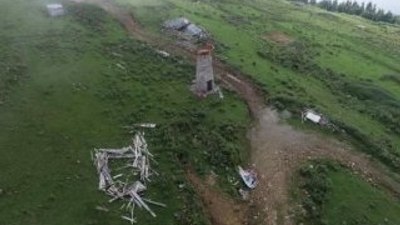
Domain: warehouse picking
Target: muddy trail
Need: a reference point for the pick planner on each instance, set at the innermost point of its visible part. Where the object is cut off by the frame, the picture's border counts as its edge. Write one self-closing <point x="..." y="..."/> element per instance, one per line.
<point x="222" y="210"/>
<point x="277" y="149"/>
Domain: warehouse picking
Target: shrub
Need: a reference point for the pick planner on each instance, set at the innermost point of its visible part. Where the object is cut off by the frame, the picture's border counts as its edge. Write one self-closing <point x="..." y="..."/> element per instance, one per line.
<point x="316" y="185"/>
<point x="89" y="15"/>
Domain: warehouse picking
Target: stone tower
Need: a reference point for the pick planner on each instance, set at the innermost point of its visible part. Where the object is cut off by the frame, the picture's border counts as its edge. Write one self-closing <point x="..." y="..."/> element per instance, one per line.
<point x="204" y="83"/>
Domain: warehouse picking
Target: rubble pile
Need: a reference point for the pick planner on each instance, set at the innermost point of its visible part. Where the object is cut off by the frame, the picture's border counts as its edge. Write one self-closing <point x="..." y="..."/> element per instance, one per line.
<point x="185" y="27"/>
<point x="317" y="118"/>
<point x="249" y="177"/>
<point x="138" y="160"/>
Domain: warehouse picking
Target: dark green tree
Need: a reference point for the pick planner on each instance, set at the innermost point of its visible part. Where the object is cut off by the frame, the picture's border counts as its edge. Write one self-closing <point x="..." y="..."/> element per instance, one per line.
<point x="368" y="11"/>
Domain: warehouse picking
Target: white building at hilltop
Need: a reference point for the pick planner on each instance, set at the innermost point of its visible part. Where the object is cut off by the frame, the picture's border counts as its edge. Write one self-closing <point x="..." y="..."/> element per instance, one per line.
<point x="55" y="10"/>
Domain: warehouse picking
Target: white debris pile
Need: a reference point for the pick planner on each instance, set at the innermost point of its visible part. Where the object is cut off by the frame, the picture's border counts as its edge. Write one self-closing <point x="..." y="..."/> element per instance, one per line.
<point x="249" y="177"/>
<point x="163" y="53"/>
<point x="317" y="118"/>
<point x="312" y="116"/>
<point x="185" y="27"/>
<point x="138" y="160"/>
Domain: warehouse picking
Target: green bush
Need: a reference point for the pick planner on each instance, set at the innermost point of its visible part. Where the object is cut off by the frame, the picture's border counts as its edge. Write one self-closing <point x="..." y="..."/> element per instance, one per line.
<point x="366" y="91"/>
<point x="382" y="151"/>
<point x="12" y="71"/>
<point x="391" y="77"/>
<point x="316" y="185"/>
<point x="89" y="15"/>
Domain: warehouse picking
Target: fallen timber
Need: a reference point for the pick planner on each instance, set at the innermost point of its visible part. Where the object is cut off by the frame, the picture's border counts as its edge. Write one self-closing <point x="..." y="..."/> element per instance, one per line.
<point x="138" y="159"/>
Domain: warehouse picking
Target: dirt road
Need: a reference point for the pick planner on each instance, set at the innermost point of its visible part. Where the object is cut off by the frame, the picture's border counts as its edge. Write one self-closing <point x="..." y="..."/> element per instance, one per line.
<point x="277" y="149"/>
<point x="221" y="209"/>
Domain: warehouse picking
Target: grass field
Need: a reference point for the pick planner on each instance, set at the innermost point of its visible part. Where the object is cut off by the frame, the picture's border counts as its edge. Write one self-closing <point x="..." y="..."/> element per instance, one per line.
<point x="70" y="84"/>
<point x="331" y="64"/>
<point x="366" y="204"/>
<point x="336" y="196"/>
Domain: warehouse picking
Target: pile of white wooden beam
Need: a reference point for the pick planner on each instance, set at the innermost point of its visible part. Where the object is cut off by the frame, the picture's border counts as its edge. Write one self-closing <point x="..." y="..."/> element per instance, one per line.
<point x="130" y="191"/>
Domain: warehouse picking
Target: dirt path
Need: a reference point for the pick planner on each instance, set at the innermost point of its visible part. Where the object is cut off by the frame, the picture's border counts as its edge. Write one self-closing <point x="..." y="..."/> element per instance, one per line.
<point x="221" y="209"/>
<point x="277" y="149"/>
<point x="123" y="16"/>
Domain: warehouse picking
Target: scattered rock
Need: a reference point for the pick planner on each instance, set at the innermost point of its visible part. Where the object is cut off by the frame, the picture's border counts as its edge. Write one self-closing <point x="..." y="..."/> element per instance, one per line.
<point x="177" y="215"/>
<point x="245" y="194"/>
<point x="120" y="66"/>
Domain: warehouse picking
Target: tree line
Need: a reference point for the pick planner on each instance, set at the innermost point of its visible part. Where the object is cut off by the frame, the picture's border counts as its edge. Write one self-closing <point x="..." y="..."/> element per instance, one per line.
<point x="366" y="10"/>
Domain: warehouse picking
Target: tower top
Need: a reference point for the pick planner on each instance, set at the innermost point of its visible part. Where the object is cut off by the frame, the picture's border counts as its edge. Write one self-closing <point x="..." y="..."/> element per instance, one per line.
<point x="206" y="50"/>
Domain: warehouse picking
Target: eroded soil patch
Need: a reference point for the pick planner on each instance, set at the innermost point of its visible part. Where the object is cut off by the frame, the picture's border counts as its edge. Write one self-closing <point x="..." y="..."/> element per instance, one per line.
<point x="279" y="38"/>
<point x="220" y="209"/>
<point x="278" y="150"/>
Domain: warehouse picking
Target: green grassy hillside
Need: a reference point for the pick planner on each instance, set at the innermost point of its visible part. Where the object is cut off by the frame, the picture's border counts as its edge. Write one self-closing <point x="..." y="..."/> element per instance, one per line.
<point x="333" y="195"/>
<point x="358" y="202"/>
<point x="305" y="57"/>
<point x="68" y="85"/>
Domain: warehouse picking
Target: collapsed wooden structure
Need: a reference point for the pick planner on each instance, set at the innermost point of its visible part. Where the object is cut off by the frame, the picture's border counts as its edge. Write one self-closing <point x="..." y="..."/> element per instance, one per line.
<point x="138" y="158"/>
